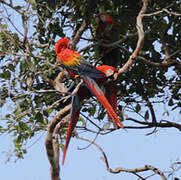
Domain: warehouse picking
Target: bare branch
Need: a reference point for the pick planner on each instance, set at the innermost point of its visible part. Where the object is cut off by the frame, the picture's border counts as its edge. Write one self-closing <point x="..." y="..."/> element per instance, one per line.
<point x="161" y="11"/>
<point x="11" y="22"/>
<point x="162" y="123"/>
<point x="57" y="85"/>
<point x="151" y="110"/>
<point x="140" y="41"/>
<point x="51" y="144"/>
<point x="88" y="47"/>
<point x="25" y="25"/>
<point x="168" y="63"/>
<point x="55" y="170"/>
<point x="78" y="34"/>
<point x="118" y="170"/>
<point x="11" y="6"/>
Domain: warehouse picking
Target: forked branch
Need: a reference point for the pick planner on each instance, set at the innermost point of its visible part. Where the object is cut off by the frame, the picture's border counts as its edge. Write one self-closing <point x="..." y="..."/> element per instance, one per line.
<point x="119" y="169"/>
<point x="51" y="141"/>
<point x="140" y="41"/>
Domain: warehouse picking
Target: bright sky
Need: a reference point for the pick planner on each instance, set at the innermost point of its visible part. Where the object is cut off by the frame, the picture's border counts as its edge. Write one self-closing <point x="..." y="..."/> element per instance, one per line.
<point x="129" y="149"/>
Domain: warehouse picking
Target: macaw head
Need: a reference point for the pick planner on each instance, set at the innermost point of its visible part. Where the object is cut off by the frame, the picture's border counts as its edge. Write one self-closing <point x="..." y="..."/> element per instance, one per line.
<point x="110" y="72"/>
<point x="61" y="44"/>
<point x="104" y="18"/>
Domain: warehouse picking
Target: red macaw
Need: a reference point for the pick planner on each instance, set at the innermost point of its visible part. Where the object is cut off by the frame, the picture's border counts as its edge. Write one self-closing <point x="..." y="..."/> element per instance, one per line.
<point x="73" y="62"/>
<point x="107" y="33"/>
<point x="85" y="92"/>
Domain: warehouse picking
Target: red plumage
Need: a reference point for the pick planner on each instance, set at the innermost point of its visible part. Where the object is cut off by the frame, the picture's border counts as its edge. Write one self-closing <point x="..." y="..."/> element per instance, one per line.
<point x="84" y="92"/>
<point x="107" y="33"/>
<point x="74" y="63"/>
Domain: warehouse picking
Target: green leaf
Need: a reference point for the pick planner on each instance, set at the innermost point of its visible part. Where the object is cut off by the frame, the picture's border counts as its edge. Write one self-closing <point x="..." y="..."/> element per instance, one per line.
<point x="39" y="117"/>
<point x="170" y="103"/>
<point x="32" y="2"/>
<point x="11" y="67"/>
<point x="138" y="108"/>
<point x="146" y="116"/>
<point x="1" y="128"/>
<point x="23" y="126"/>
<point x="17" y="7"/>
<point x="4" y="26"/>
<point x="92" y="110"/>
<point x="6" y="75"/>
<point x="17" y="142"/>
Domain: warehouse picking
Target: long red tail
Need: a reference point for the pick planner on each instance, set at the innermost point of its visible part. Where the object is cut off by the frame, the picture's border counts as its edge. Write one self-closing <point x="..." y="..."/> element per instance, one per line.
<point x="111" y="95"/>
<point x="72" y="123"/>
<point x="99" y="94"/>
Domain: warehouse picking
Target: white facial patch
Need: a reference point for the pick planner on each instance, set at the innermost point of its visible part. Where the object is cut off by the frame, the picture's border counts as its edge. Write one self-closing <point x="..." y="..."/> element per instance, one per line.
<point x="103" y="18"/>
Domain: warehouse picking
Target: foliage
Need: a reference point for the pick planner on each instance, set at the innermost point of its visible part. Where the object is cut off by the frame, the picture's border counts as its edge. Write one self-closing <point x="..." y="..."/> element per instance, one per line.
<point x="29" y="31"/>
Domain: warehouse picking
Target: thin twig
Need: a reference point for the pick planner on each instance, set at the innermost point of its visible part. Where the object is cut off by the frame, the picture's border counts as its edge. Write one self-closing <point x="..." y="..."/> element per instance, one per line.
<point x="162" y="123"/>
<point x="118" y="170"/>
<point x="161" y="11"/>
<point x="11" y="6"/>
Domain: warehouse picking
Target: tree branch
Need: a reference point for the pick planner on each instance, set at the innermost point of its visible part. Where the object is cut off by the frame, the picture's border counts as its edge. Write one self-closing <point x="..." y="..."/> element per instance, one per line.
<point x="161" y="11"/>
<point x="51" y="141"/>
<point x="78" y="34"/>
<point x="11" y="6"/>
<point x="167" y="63"/>
<point x="118" y="170"/>
<point x="140" y="41"/>
<point x="162" y="123"/>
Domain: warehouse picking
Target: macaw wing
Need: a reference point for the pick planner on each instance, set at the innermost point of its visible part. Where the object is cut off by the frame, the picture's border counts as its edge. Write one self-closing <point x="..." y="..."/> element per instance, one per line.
<point x="100" y="96"/>
<point x="84" y="69"/>
<point x="75" y="111"/>
<point x="71" y="69"/>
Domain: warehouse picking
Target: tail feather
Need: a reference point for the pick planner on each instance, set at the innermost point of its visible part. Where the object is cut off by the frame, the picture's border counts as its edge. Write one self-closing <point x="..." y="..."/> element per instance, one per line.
<point x="99" y="94"/>
<point x="111" y="95"/>
<point x="75" y="111"/>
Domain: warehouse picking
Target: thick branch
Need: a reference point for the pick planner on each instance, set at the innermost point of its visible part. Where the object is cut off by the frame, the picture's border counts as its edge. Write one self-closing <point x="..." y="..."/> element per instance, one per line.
<point x="51" y="142"/>
<point x="78" y="34"/>
<point x="140" y="41"/>
<point x="55" y="148"/>
<point x="57" y="83"/>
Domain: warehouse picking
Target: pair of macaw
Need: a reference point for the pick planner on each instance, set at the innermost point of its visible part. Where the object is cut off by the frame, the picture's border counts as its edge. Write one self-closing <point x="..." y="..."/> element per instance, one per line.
<point x="92" y="76"/>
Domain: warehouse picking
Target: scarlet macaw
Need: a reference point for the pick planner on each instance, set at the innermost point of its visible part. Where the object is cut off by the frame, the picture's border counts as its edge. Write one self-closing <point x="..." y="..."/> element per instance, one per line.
<point x="73" y="62"/>
<point x="75" y="65"/>
<point x="85" y="92"/>
<point x="107" y="33"/>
